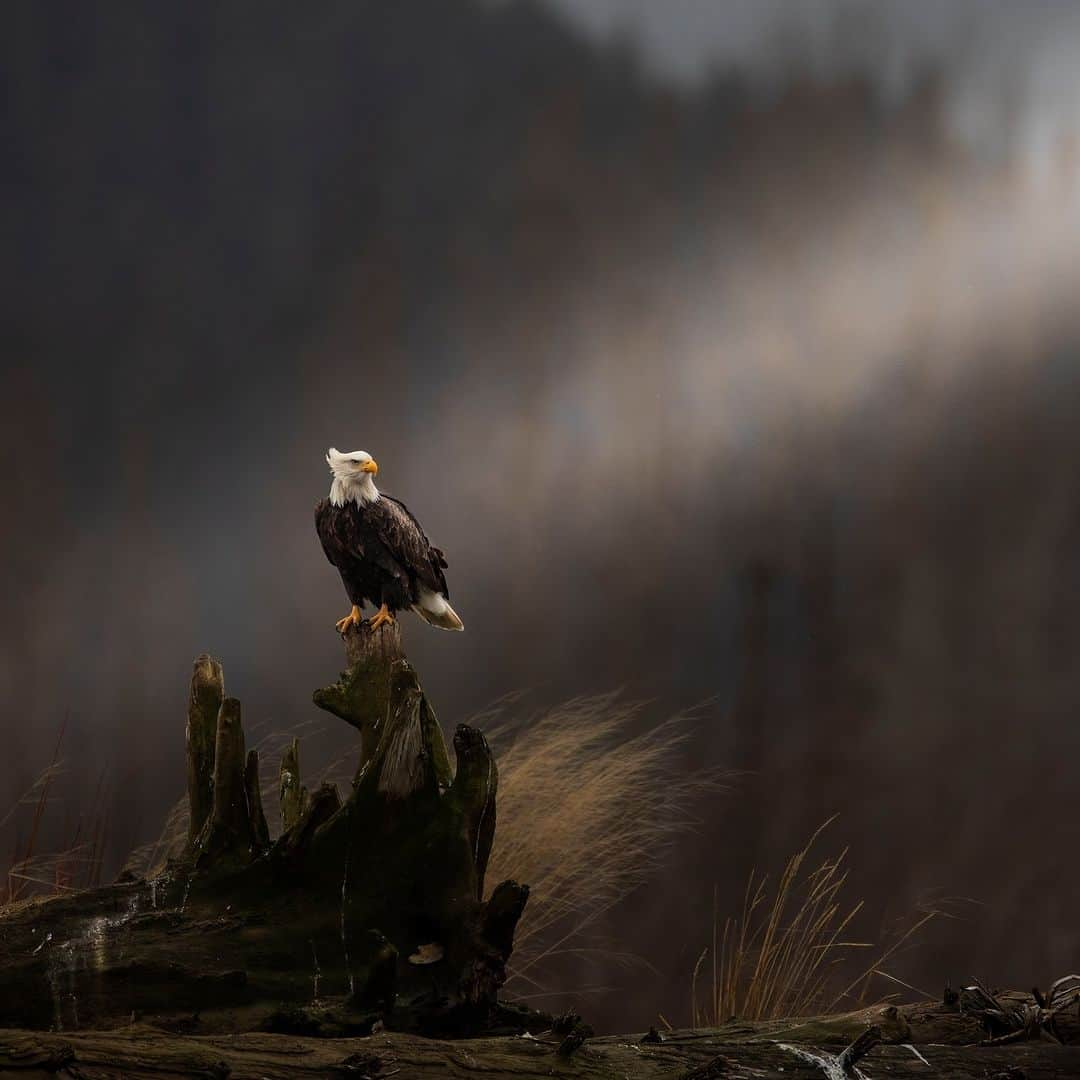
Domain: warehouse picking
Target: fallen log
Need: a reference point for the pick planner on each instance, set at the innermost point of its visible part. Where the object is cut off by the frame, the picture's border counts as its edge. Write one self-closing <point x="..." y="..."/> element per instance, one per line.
<point x="731" y="1053"/>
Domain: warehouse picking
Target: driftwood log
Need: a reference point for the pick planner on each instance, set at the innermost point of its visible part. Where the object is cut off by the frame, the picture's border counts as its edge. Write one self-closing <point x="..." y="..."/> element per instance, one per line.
<point x="368" y="908"/>
<point x="918" y="1042"/>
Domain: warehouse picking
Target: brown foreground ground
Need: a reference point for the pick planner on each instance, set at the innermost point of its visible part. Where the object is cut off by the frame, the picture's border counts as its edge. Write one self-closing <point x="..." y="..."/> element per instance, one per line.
<point x="916" y="1041"/>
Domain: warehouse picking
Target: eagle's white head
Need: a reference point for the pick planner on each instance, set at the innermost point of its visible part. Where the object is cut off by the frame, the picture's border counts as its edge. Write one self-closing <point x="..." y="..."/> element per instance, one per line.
<point x="354" y="477"/>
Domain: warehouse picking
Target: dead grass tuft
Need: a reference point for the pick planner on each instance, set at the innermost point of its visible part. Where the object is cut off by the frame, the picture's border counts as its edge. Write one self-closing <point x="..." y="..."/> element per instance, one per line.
<point x="78" y="865"/>
<point x="787" y="954"/>
<point x="588" y="812"/>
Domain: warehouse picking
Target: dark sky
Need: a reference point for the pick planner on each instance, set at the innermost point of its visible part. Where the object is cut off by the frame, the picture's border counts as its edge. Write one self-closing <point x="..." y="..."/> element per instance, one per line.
<point x="756" y="383"/>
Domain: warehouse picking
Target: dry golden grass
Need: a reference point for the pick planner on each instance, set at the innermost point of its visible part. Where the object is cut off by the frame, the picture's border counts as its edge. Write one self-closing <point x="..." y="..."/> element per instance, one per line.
<point x="77" y="865"/>
<point x="588" y="811"/>
<point x="24" y="874"/>
<point x="787" y="954"/>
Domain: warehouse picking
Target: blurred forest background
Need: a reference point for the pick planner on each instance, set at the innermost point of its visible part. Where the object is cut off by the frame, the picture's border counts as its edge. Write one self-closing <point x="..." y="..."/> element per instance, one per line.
<point x="729" y="356"/>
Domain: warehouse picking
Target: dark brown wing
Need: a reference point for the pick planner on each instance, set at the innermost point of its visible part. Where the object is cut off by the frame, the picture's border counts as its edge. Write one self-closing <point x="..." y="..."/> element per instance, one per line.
<point x="405" y="543"/>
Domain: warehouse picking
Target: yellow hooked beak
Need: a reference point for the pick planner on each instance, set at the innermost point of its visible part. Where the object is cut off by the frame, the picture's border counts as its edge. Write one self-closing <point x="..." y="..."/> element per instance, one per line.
<point x="371" y="467"/>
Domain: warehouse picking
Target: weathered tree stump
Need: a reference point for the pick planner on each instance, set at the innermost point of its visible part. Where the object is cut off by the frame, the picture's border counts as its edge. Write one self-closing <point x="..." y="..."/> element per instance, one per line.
<point x="363" y="909"/>
<point x="417" y="837"/>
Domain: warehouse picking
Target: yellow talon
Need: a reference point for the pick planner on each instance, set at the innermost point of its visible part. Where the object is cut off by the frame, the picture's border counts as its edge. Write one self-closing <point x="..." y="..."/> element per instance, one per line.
<point x="381" y="616"/>
<point x="354" y="618"/>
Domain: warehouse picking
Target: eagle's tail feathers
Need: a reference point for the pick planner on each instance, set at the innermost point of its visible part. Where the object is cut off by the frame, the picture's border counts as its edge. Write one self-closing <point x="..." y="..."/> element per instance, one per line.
<point x="435" y="610"/>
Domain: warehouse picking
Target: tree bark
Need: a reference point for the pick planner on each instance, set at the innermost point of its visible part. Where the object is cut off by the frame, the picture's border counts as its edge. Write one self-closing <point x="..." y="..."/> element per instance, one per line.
<point x="292" y="795"/>
<point x="207" y="692"/>
<point x="260" y="830"/>
<point x="227" y="837"/>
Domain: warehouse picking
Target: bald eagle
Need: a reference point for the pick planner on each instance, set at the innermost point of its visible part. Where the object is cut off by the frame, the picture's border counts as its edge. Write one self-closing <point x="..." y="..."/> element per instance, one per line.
<point x="381" y="552"/>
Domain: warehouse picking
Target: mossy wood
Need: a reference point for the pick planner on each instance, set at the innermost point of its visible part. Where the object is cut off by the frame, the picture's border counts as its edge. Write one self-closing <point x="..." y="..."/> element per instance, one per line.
<point x="207" y="691"/>
<point x="365" y="908"/>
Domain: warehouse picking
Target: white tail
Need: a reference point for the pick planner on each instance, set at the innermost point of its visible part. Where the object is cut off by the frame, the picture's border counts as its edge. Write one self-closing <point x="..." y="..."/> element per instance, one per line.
<point x="435" y="610"/>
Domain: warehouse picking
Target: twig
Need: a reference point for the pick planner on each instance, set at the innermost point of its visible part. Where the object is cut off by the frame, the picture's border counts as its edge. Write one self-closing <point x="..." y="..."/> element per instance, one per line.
<point x="853" y="1054"/>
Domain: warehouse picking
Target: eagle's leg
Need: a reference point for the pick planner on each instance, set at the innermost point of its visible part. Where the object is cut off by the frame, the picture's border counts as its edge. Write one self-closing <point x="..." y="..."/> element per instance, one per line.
<point x="354" y="618"/>
<point x="381" y="616"/>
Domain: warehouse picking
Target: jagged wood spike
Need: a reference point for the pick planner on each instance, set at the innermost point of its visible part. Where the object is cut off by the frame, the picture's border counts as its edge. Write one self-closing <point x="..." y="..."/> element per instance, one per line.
<point x="228" y="831"/>
<point x="292" y="795"/>
<point x="204" y="702"/>
<point x="435" y="744"/>
<point x="260" y="831"/>
<point x="474" y="789"/>
<point x="495" y="942"/>
<point x="321" y="807"/>
<point x="230" y="802"/>
<point x="373" y="963"/>
<point x="502" y="913"/>
<point x="403" y="764"/>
